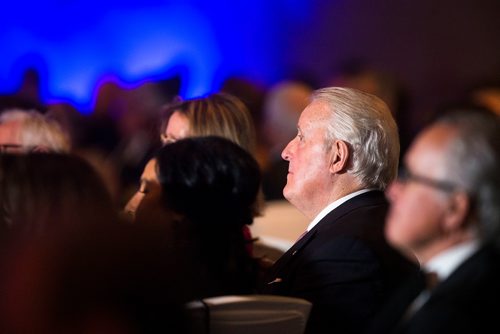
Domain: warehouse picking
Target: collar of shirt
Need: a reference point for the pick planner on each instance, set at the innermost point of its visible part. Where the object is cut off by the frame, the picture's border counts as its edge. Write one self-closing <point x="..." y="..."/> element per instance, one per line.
<point x="446" y="262"/>
<point x="330" y="207"/>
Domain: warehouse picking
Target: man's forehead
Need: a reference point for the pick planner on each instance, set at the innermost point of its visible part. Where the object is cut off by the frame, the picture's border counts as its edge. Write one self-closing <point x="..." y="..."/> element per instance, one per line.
<point x="314" y="115"/>
<point x="430" y="147"/>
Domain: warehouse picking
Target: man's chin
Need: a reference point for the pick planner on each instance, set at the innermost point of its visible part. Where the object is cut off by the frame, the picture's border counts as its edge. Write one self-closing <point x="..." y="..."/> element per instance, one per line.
<point x="287" y="193"/>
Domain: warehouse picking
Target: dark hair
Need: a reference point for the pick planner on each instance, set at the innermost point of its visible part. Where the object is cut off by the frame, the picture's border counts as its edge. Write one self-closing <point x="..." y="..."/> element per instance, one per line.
<point x="212" y="174"/>
<point x="41" y="191"/>
<point x="212" y="184"/>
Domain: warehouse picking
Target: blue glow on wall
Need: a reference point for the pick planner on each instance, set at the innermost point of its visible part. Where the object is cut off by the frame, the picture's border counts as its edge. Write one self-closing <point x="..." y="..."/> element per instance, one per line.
<point x="76" y="44"/>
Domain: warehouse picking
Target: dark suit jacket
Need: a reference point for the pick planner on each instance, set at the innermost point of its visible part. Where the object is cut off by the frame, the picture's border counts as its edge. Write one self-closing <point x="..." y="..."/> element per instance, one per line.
<point x="344" y="266"/>
<point x="468" y="301"/>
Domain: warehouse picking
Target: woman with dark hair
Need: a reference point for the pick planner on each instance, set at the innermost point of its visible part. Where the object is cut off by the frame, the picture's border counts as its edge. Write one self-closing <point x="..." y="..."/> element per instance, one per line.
<point x="206" y="188"/>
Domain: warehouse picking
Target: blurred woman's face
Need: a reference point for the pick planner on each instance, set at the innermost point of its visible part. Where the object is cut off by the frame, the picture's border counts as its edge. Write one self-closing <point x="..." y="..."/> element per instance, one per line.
<point x="149" y="190"/>
<point x="177" y="128"/>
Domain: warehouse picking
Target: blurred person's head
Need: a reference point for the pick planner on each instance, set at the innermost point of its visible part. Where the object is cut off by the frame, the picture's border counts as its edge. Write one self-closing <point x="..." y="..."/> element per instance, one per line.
<point x="115" y="278"/>
<point x="449" y="190"/>
<point x="487" y="95"/>
<point x="24" y="131"/>
<point x="282" y="107"/>
<point x="347" y="140"/>
<point x="40" y="191"/>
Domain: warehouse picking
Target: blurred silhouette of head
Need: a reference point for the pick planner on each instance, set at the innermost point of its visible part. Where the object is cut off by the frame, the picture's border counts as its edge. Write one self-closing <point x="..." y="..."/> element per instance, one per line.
<point x="115" y="278"/>
<point x="44" y="191"/>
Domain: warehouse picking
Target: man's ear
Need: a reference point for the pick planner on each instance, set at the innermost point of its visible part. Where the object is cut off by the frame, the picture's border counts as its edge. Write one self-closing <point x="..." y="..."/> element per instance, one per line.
<point x="458" y="211"/>
<point x="339" y="156"/>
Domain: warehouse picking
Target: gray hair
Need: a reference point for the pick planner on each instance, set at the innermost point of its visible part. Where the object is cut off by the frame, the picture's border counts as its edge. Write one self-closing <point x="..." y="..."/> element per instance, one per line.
<point x="473" y="161"/>
<point x="37" y="130"/>
<point x="366" y="124"/>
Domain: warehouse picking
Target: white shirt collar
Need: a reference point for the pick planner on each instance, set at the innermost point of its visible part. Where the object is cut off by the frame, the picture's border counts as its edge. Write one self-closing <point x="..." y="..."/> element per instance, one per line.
<point x="446" y="262"/>
<point x="330" y="207"/>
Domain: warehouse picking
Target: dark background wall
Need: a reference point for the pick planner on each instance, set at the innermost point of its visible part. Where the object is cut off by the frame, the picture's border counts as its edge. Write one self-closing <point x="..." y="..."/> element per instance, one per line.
<point x="437" y="49"/>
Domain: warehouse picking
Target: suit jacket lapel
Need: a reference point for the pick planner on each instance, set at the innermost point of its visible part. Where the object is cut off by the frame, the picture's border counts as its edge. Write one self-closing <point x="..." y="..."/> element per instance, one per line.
<point x="293" y="251"/>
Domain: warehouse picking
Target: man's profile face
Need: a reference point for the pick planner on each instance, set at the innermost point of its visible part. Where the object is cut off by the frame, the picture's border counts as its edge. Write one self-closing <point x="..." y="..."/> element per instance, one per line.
<point x="308" y="176"/>
<point x="418" y="204"/>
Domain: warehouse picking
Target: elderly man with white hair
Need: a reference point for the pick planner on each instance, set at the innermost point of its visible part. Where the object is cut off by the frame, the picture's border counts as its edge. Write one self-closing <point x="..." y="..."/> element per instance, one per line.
<point x="344" y="155"/>
<point x="445" y="209"/>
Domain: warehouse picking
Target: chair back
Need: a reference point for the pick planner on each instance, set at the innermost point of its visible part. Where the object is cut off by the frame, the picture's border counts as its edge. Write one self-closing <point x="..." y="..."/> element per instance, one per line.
<point x="249" y="314"/>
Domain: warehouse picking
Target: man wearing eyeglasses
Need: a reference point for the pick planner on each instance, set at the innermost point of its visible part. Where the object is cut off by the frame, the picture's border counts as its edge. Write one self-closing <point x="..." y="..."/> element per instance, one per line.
<point x="445" y="209"/>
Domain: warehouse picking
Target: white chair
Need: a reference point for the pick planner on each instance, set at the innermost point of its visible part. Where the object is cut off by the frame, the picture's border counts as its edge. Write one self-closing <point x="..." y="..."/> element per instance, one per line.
<point x="249" y="314"/>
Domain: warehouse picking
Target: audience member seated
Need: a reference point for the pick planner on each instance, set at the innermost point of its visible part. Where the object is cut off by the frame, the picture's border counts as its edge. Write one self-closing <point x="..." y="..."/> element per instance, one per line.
<point x="206" y="189"/>
<point x="24" y="131"/>
<point x="445" y="208"/>
<point x="344" y="155"/>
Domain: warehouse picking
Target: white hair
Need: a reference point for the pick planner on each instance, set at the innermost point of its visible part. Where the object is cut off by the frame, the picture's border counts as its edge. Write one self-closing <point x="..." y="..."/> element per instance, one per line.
<point x="366" y="124"/>
<point x="472" y="161"/>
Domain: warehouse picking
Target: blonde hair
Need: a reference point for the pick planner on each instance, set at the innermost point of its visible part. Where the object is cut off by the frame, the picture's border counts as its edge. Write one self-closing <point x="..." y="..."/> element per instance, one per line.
<point x="219" y="114"/>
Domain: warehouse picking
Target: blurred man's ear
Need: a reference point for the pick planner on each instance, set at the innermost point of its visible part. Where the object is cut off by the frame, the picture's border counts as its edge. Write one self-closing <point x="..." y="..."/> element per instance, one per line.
<point x="339" y="156"/>
<point x="458" y="211"/>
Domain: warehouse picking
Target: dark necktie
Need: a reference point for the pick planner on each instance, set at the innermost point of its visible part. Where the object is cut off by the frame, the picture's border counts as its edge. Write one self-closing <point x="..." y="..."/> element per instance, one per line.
<point x="430" y="280"/>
